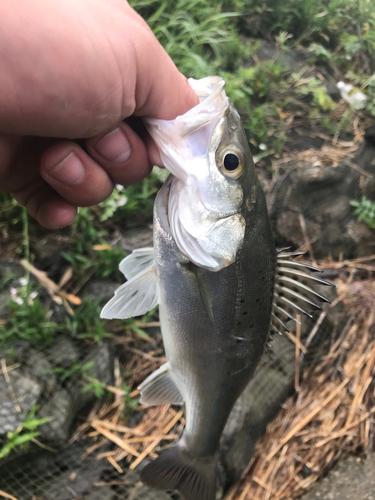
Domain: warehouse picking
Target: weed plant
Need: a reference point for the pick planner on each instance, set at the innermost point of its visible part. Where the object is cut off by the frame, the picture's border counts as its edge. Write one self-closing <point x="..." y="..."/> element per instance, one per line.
<point x="20" y="438"/>
<point x="365" y="211"/>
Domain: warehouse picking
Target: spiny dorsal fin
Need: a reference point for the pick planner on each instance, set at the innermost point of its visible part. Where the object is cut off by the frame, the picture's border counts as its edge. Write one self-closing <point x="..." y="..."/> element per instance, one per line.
<point x="294" y="290"/>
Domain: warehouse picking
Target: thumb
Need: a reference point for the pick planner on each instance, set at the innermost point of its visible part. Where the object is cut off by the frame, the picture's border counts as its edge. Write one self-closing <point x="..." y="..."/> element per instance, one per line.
<point x="162" y="91"/>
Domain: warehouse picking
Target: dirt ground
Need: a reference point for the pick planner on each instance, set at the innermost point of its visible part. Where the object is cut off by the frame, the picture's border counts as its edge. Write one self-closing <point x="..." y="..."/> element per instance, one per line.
<point x="351" y="479"/>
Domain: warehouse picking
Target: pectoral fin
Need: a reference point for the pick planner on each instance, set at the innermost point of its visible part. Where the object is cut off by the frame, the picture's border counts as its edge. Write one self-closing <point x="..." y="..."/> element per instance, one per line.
<point x="136" y="297"/>
<point x="136" y="262"/>
<point x="159" y="388"/>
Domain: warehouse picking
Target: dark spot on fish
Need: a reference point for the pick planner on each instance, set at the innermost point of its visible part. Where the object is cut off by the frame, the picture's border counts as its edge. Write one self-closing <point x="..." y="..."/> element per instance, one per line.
<point x="244" y="313"/>
<point x="134" y="293"/>
<point x="242" y="301"/>
<point x="251" y="326"/>
<point x="239" y="323"/>
<point x="257" y="300"/>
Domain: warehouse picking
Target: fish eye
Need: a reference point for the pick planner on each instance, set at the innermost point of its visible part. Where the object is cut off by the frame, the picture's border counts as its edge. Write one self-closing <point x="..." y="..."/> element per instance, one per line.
<point x="232" y="162"/>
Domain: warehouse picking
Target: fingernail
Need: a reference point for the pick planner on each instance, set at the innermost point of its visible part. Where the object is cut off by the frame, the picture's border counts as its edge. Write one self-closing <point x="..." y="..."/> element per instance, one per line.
<point x="114" y="147"/>
<point x="70" y="171"/>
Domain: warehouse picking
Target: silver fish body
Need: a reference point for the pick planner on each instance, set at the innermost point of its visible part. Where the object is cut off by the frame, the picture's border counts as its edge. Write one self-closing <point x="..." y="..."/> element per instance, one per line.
<point x="221" y="286"/>
<point x="215" y="324"/>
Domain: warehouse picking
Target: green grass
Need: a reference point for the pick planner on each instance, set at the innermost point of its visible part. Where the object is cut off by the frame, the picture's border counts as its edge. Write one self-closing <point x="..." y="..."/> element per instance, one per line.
<point x="365" y="211"/>
<point x="28" y="319"/>
<point x="86" y="322"/>
<point x="20" y="438"/>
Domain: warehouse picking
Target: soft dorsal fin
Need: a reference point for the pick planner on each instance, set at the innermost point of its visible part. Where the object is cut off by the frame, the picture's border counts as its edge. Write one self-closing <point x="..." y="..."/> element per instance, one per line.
<point x="294" y="290"/>
<point x="135" y="297"/>
<point x="136" y="262"/>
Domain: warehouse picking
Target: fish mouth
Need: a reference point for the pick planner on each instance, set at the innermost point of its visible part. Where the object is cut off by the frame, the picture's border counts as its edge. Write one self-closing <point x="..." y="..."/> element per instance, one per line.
<point x="162" y="204"/>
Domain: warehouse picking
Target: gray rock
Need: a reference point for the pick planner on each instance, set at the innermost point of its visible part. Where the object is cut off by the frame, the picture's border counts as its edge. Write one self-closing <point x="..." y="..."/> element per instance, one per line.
<point x="102" y="369"/>
<point x="48" y="252"/>
<point x="289" y="227"/>
<point x="61" y="408"/>
<point x="39" y="368"/>
<point x="62" y="351"/>
<point x="12" y="272"/>
<point x="136" y="238"/>
<point x="4" y="306"/>
<point x="102" y="493"/>
<point x="49" y="247"/>
<point x="26" y="391"/>
<point x="101" y="290"/>
<point x="58" y="312"/>
<point x="321" y="195"/>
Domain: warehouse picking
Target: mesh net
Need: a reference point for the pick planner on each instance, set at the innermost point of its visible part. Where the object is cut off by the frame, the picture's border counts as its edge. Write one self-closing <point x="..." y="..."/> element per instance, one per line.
<point x="91" y="445"/>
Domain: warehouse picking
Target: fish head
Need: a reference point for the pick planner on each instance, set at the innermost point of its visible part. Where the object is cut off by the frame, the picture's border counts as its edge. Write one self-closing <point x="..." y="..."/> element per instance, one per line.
<point x="207" y="152"/>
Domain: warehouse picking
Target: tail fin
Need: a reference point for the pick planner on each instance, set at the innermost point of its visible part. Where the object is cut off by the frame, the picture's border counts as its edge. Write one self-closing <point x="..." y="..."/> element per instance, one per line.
<point x="176" y="469"/>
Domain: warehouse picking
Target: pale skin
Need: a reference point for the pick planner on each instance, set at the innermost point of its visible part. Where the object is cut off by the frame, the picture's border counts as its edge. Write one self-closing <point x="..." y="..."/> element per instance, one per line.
<point x="76" y="70"/>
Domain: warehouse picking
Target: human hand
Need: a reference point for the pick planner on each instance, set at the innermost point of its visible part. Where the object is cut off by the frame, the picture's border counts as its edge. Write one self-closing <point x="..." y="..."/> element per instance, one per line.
<point x="75" y="70"/>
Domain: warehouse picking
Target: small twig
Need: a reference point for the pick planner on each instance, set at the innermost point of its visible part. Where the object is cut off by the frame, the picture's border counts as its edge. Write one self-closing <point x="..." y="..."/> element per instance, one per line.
<point x="358" y="169"/>
<point x="160" y="360"/>
<point x="150" y="324"/>
<point x="302" y="423"/>
<point x="11" y="368"/>
<point x="113" y="462"/>
<point x="295" y="341"/>
<point x="44" y="446"/>
<point x="115" y="439"/>
<point x="72" y="492"/>
<point x="118" y="428"/>
<point x="297" y="353"/>
<point x="152" y="446"/>
<point x="9" y="384"/>
<point x="344" y="431"/>
<point x="307" y="240"/>
<point x="264" y="485"/>
<point x="7" y="495"/>
<point x="110" y="483"/>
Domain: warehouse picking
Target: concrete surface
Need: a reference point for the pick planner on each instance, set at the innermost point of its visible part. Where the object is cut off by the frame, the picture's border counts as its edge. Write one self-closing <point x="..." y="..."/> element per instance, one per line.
<point x="352" y="479"/>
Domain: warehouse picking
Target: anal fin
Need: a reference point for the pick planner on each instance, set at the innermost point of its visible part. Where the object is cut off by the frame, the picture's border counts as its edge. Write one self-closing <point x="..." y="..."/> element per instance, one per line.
<point x="160" y="388"/>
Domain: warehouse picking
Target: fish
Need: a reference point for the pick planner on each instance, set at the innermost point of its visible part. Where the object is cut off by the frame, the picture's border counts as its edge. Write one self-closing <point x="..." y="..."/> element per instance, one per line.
<point x="222" y="287"/>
